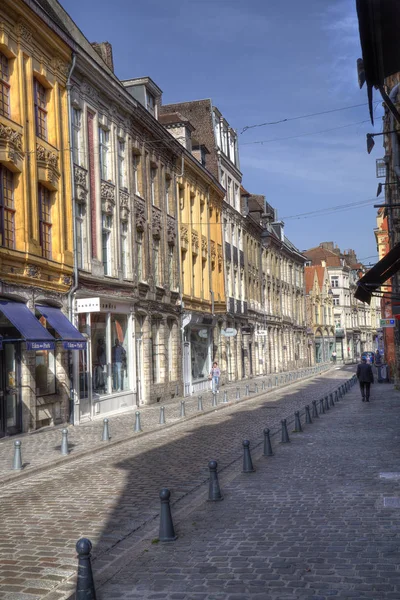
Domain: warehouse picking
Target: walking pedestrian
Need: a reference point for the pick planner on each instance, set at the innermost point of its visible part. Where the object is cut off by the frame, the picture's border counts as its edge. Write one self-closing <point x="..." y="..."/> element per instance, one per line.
<point x="365" y="377"/>
<point x="334" y="356"/>
<point x="215" y="374"/>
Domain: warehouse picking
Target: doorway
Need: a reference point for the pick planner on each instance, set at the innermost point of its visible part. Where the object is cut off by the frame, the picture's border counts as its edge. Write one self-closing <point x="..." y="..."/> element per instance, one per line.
<point x="10" y="390"/>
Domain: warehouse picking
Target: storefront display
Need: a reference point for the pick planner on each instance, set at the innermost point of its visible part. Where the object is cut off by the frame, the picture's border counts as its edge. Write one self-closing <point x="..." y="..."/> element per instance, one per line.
<point x="199" y="347"/>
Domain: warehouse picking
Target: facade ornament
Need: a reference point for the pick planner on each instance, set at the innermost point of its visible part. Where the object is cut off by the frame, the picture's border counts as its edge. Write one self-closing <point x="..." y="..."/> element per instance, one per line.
<point x="156" y="222"/>
<point x="67" y="280"/>
<point x="204" y="246"/>
<point x="24" y="32"/>
<point x="90" y="92"/>
<point x="195" y="242"/>
<point x="10" y="146"/>
<point x="171" y="230"/>
<point x="184" y="237"/>
<point x="140" y="214"/>
<point x="123" y="205"/>
<point x="219" y="254"/>
<point x="60" y="65"/>
<point x="213" y="251"/>
<point x="81" y="189"/>
<point x="32" y="271"/>
<point x="107" y="197"/>
<point x="47" y="163"/>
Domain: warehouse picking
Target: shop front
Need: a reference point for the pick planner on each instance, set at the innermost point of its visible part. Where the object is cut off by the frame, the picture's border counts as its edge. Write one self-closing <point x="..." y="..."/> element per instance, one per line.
<point x="105" y="371"/>
<point x="197" y="348"/>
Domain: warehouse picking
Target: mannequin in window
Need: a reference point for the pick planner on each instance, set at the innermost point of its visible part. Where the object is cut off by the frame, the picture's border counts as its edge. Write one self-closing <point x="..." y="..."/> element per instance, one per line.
<point x="119" y="360"/>
<point x="100" y="381"/>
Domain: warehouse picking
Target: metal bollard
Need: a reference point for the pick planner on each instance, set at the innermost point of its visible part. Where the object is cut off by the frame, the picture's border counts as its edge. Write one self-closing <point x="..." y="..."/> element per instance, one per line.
<point x="182" y="412"/>
<point x="297" y="423"/>
<point x="64" y="442"/>
<point x="225" y="400"/>
<point x="237" y="393"/>
<point x="321" y="407"/>
<point x="17" y="460"/>
<point x="214" y="399"/>
<point x="326" y="403"/>
<point x="267" y="443"/>
<point x="247" y="462"/>
<point x="285" y="435"/>
<point x="137" y="428"/>
<point x="314" y="410"/>
<point x="331" y="402"/>
<point x="162" y="416"/>
<point x="276" y="381"/>
<point x="106" y="431"/>
<point x="336" y="396"/>
<point x="308" y="415"/>
<point x="246" y="391"/>
<point x="200" y="403"/>
<point x="167" y="531"/>
<point x="263" y="385"/>
<point x="214" y="491"/>
<point x="256" y="388"/>
<point x="85" y="589"/>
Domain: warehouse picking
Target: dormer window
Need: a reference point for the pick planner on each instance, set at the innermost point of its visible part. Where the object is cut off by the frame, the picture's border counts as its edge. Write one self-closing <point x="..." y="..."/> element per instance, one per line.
<point x="151" y="103"/>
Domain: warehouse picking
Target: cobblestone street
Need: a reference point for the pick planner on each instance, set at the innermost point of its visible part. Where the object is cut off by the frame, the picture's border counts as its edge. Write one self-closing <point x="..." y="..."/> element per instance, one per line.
<point x="109" y="495"/>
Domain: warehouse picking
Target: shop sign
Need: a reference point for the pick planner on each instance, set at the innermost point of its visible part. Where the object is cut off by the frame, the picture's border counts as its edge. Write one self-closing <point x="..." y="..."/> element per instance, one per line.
<point x="261" y="332"/>
<point x="89" y="305"/>
<point x="203" y="333"/>
<point x="40" y="345"/>
<point x="74" y="345"/>
<point x="229" y="332"/>
<point x="388" y="322"/>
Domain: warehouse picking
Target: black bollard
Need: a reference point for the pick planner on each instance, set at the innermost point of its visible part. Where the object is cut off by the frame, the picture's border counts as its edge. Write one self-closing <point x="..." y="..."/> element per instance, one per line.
<point x="167" y="531"/>
<point x="297" y="423"/>
<point x="246" y="392"/>
<point x="336" y="396"/>
<point x="214" y="491"/>
<point x="162" y="416"/>
<point x="267" y="443"/>
<point x="276" y="381"/>
<point x="255" y="388"/>
<point x="225" y="400"/>
<point x="247" y="462"/>
<point x="84" y="584"/>
<point x="314" y="410"/>
<point x="106" y="431"/>
<point x="263" y="385"/>
<point x="137" y="428"/>
<point x="64" y="442"/>
<point x="285" y="435"/>
<point x="17" y="460"/>
<point x="200" y="403"/>
<point x="326" y="403"/>
<point x="237" y="393"/>
<point x="321" y="407"/>
<point x="331" y="401"/>
<point x="182" y="412"/>
<point x="214" y="399"/>
<point x="308" y="415"/>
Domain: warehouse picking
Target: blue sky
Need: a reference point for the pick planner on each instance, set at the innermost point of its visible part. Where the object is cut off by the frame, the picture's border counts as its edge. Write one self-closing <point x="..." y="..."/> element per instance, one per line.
<point x="263" y="61"/>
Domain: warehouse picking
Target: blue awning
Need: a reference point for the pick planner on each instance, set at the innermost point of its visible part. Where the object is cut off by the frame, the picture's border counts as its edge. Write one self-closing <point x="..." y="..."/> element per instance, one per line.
<point x="72" y="338"/>
<point x="36" y="336"/>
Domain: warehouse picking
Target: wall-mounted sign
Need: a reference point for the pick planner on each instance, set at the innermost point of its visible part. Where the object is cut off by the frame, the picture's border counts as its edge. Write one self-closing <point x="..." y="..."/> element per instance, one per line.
<point x="89" y="305"/>
<point x="388" y="322"/>
<point x="203" y="333"/>
<point x="229" y="332"/>
<point x="261" y="332"/>
<point x="40" y="345"/>
<point x="74" y="345"/>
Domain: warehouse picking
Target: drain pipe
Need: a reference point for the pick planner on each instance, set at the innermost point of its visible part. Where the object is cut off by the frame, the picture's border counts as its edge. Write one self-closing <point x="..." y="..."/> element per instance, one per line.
<point x="74" y="418"/>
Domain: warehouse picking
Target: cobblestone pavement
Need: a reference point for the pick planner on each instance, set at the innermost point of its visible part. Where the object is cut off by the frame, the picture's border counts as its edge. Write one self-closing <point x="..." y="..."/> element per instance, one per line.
<point x="109" y="496"/>
<point x="319" y="520"/>
<point x="42" y="447"/>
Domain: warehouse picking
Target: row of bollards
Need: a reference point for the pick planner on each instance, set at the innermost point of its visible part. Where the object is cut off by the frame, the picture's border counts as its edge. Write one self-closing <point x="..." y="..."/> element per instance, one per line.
<point x="85" y="589"/>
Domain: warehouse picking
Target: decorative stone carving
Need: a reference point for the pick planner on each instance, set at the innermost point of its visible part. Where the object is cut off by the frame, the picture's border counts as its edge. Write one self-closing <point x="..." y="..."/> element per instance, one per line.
<point x="123" y="205"/>
<point x="213" y="251"/>
<point x="195" y="242"/>
<point x="24" y="32"/>
<point x="60" y="65"/>
<point x="47" y="162"/>
<point x="67" y="280"/>
<point x="10" y="146"/>
<point x="32" y="271"/>
<point x="81" y="188"/>
<point x="140" y="214"/>
<point x="171" y="230"/>
<point x="156" y="221"/>
<point x="107" y="197"/>
<point x="90" y="92"/>
<point x="219" y="254"/>
<point x="204" y="246"/>
<point x="184" y="237"/>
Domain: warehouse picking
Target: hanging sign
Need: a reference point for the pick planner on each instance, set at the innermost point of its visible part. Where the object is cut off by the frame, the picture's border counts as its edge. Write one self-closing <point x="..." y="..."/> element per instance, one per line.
<point x="229" y="332"/>
<point x="74" y="345"/>
<point x="40" y="345"/>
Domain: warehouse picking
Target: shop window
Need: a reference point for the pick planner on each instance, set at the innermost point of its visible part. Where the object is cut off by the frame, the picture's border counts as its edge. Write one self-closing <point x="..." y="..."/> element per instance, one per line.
<point x="6" y="208"/>
<point x="40" y="100"/>
<point x="84" y="369"/>
<point x="4" y="86"/>
<point x="199" y="346"/>
<point x="45" y="372"/>
<point x="99" y="353"/>
<point x="119" y="353"/>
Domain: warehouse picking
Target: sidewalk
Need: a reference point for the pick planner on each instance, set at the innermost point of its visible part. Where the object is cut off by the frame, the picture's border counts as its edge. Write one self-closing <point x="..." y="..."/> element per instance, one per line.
<point x="41" y="449"/>
<point x="317" y="521"/>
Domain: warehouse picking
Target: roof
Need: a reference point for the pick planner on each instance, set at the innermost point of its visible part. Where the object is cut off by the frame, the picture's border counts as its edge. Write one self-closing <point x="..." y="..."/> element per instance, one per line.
<point x="320" y="270"/>
<point x="318" y="254"/>
<point x="309" y="273"/>
<point x="175" y="118"/>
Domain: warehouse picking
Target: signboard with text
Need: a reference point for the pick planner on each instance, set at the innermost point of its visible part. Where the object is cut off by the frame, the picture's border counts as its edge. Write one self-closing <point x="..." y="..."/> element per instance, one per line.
<point x="388" y="322"/>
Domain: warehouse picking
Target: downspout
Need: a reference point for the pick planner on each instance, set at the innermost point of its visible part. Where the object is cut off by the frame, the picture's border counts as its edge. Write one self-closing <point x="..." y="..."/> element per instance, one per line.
<point x="75" y="266"/>
<point x="178" y="260"/>
<point x="209" y="262"/>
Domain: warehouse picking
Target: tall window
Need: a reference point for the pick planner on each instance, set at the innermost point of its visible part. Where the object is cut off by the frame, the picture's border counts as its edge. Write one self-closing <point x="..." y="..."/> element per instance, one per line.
<point x="167" y="195"/>
<point x="151" y="103"/>
<point x="135" y="165"/>
<point x="125" y="257"/>
<point x="121" y="164"/>
<point x="77" y="133"/>
<point x="203" y="278"/>
<point x="156" y="351"/>
<point x="106" y="242"/>
<point x="45" y="220"/>
<point x="79" y="216"/>
<point x="6" y="208"/>
<point x="156" y="261"/>
<point x="194" y="258"/>
<point x="171" y="278"/>
<point x="4" y="86"/>
<point x="139" y="255"/>
<point x="335" y="281"/>
<point x="40" y="109"/>
<point x="104" y="143"/>
<point x="153" y="181"/>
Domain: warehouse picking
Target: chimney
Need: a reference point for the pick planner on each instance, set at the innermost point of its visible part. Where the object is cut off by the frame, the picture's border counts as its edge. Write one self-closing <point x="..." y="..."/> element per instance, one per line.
<point x="104" y="50"/>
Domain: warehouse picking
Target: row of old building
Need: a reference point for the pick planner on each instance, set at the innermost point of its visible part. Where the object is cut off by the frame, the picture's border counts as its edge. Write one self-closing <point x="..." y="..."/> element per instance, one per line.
<point x="131" y="256"/>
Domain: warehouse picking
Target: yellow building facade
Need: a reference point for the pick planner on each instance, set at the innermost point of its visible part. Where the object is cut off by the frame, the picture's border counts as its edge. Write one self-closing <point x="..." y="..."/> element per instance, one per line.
<point x="36" y="241"/>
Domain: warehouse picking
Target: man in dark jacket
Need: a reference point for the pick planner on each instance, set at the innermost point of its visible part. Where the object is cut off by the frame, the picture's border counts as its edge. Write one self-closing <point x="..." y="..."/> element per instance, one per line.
<point x="365" y="377"/>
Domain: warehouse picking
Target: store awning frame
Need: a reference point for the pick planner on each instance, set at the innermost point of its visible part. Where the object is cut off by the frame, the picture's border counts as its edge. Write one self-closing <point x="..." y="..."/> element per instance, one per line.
<point x="71" y="338"/>
<point x="31" y="330"/>
<point x="384" y="269"/>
